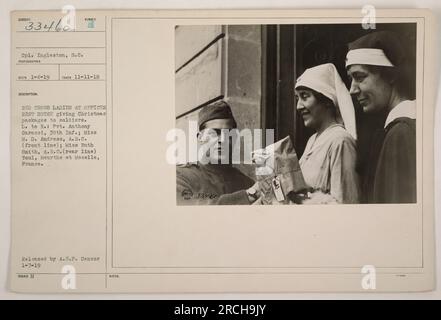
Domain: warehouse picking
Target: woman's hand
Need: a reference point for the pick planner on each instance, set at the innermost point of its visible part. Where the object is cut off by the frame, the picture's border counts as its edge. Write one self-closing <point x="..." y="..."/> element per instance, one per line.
<point x="253" y="193"/>
<point x="319" y="197"/>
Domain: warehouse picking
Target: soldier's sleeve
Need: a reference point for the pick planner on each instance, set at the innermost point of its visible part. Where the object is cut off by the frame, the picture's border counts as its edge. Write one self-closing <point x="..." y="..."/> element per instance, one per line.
<point x="187" y="188"/>
<point x="185" y="196"/>
<point x="239" y="198"/>
<point x="184" y="188"/>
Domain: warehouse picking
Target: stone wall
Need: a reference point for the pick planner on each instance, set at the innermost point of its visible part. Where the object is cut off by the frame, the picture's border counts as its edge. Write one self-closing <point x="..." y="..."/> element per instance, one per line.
<point x="219" y="62"/>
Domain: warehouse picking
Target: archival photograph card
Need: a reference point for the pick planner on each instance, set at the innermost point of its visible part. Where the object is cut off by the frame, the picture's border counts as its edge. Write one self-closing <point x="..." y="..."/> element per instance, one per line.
<point x="222" y="151"/>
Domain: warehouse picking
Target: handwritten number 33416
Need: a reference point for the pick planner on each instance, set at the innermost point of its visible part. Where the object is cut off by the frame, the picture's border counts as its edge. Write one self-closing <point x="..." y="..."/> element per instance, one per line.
<point x="52" y="26"/>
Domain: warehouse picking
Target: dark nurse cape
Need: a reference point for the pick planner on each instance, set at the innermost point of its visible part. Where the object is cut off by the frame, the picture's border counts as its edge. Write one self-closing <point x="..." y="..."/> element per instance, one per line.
<point x="391" y="177"/>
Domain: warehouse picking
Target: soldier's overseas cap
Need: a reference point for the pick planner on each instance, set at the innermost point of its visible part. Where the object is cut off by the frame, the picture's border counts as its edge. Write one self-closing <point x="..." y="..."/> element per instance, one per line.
<point x="217" y="110"/>
<point x="382" y="48"/>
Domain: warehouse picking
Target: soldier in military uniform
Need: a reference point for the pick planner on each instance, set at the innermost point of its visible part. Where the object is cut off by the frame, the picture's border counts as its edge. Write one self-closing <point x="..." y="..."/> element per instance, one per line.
<point x="216" y="182"/>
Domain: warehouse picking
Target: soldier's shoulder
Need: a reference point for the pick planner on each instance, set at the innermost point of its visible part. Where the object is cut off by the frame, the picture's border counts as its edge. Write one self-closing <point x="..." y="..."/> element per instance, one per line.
<point x="186" y="169"/>
<point x="190" y="175"/>
<point x="189" y="165"/>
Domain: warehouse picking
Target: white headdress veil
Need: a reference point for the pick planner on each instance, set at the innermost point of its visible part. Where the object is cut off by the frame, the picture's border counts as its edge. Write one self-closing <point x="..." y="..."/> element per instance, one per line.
<point x="325" y="79"/>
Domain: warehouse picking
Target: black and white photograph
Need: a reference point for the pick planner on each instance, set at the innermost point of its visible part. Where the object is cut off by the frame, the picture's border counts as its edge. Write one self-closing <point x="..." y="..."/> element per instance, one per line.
<point x="148" y="149"/>
<point x="295" y="114"/>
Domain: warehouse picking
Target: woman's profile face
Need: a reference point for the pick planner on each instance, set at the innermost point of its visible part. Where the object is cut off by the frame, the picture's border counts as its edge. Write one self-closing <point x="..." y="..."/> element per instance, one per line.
<point x="310" y="109"/>
<point x="371" y="90"/>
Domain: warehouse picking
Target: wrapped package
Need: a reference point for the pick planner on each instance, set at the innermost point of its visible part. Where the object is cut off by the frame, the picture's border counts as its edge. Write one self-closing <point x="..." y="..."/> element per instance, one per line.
<point x="278" y="172"/>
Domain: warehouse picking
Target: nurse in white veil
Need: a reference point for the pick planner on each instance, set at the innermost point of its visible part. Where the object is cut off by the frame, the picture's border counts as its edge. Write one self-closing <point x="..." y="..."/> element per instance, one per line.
<point x="329" y="160"/>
